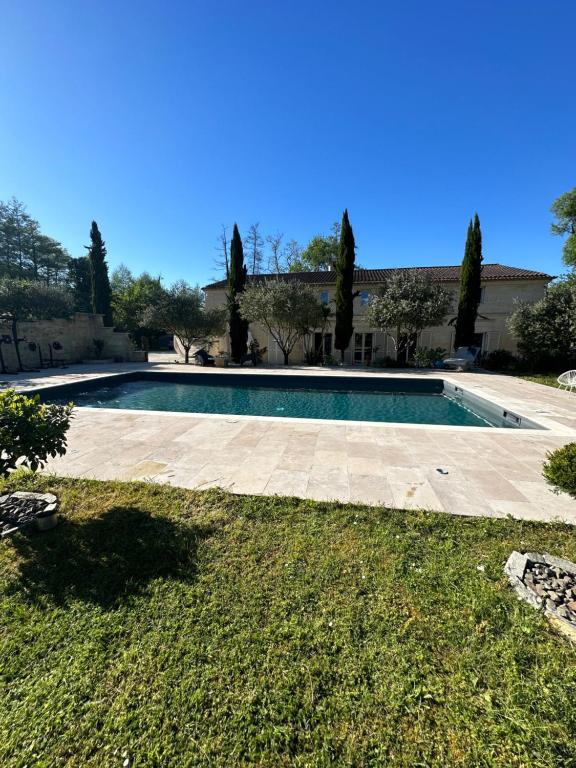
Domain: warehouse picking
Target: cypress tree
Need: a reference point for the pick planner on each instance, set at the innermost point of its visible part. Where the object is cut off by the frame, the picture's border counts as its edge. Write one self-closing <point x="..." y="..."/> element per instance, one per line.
<point x="470" y="286"/>
<point x="344" y="268"/>
<point x="100" y="283"/>
<point x="236" y="284"/>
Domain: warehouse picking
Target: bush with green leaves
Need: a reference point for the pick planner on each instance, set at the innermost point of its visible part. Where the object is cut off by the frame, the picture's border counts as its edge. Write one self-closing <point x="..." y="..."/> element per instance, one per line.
<point x="425" y="357"/>
<point x="560" y="469"/>
<point x="546" y="330"/>
<point x="499" y="360"/>
<point x="30" y="431"/>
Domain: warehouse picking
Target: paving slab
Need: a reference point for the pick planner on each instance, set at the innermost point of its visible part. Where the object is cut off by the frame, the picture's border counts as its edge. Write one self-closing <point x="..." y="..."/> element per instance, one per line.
<point x="490" y="472"/>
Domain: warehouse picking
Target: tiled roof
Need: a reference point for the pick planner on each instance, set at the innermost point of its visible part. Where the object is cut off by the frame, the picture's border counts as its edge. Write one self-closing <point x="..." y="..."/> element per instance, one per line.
<point x="439" y="274"/>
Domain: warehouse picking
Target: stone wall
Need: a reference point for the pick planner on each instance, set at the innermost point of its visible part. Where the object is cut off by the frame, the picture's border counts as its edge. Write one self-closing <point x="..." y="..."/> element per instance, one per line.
<point x="76" y="335"/>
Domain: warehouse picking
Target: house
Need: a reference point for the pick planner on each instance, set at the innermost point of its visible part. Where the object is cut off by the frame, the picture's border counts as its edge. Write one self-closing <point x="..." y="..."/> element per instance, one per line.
<point x="501" y="286"/>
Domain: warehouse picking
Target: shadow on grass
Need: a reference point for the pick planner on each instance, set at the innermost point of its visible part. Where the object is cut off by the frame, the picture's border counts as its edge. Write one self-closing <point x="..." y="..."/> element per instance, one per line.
<point x="106" y="559"/>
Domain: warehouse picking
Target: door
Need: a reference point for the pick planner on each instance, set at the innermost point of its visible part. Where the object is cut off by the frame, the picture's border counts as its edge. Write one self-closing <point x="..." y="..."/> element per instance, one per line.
<point x="363" y="348"/>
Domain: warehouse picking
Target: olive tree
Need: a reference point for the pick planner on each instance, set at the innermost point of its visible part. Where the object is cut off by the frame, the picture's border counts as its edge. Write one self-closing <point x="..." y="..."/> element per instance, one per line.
<point x="181" y="311"/>
<point x="546" y="330"/>
<point x="407" y="303"/>
<point x="289" y="310"/>
<point x="22" y="300"/>
<point x="564" y="209"/>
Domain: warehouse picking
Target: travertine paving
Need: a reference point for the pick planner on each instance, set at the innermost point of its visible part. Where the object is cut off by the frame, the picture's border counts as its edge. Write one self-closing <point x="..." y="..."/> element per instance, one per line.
<point x="489" y="472"/>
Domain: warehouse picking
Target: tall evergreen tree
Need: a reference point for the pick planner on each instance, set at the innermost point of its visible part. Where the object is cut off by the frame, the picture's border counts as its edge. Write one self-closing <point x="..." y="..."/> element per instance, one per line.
<point x="101" y="292"/>
<point x="81" y="281"/>
<point x="470" y="286"/>
<point x="344" y="268"/>
<point x="236" y="284"/>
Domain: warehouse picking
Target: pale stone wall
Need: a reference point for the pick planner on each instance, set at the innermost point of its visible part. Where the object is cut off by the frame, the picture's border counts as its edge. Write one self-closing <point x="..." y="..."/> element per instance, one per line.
<point x="76" y="335"/>
<point x="498" y="303"/>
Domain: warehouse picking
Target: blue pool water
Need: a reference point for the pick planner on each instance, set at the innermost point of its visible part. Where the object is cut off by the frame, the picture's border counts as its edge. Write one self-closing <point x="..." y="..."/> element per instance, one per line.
<point x="412" y="408"/>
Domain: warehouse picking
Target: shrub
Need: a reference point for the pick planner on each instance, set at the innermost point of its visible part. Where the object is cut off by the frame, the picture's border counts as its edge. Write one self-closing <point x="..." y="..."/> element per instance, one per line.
<point x="560" y="469"/>
<point x="30" y="431"/>
<point x="98" y="345"/>
<point x="546" y="330"/>
<point x="499" y="360"/>
<point x="385" y="362"/>
<point x="425" y="357"/>
<point x="257" y="351"/>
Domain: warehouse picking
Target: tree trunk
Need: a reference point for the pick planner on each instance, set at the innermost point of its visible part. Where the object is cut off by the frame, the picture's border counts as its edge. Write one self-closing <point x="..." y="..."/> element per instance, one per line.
<point x="285" y="357"/>
<point x="16" y="345"/>
<point x="186" y="355"/>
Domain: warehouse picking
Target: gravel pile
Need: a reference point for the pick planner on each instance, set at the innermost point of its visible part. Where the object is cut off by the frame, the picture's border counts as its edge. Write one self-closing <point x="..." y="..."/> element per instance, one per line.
<point x="555" y="588"/>
<point x="20" y="509"/>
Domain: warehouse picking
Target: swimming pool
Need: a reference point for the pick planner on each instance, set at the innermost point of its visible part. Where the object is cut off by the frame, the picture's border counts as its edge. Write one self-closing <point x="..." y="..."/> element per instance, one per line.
<point x="391" y="400"/>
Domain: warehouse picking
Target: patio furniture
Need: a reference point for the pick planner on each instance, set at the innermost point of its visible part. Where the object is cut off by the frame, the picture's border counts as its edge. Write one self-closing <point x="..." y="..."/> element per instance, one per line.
<point x="51" y="361"/>
<point x="464" y="358"/>
<point x="203" y="358"/>
<point x="567" y="380"/>
<point x="249" y="357"/>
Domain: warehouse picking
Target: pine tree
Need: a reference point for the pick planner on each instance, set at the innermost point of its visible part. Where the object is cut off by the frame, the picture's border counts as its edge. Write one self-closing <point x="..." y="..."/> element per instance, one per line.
<point x="470" y="286"/>
<point x="236" y="284"/>
<point x="344" y="268"/>
<point x="101" y="292"/>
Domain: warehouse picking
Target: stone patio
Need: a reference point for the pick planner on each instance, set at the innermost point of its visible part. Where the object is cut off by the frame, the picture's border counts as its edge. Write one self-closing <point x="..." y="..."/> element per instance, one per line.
<point x="490" y="472"/>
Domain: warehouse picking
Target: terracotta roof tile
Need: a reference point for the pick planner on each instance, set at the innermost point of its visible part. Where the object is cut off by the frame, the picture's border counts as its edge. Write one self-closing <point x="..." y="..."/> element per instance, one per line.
<point x="439" y="274"/>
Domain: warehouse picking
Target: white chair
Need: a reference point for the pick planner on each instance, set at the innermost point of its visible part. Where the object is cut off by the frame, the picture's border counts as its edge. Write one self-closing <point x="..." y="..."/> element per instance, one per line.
<point x="567" y="380"/>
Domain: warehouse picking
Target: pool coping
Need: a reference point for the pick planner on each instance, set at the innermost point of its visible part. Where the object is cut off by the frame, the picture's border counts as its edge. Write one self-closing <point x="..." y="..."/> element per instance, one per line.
<point x="542" y="426"/>
<point x="490" y="472"/>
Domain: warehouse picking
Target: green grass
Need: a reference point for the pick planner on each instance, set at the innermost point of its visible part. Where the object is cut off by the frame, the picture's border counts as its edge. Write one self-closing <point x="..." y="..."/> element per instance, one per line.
<point x="176" y="628"/>
<point x="549" y="379"/>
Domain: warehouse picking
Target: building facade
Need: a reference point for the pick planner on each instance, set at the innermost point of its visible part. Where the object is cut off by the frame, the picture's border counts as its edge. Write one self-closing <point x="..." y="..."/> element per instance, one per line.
<point x="502" y="286"/>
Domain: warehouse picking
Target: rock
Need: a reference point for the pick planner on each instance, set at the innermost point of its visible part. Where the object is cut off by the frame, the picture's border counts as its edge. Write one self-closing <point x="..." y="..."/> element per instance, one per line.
<point x="550" y="605"/>
<point x="562" y="611"/>
<point x="571" y="606"/>
<point x="554" y="596"/>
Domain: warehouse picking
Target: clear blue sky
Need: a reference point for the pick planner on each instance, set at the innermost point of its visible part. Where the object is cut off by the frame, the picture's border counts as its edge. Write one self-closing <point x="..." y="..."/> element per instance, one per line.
<point x="164" y="120"/>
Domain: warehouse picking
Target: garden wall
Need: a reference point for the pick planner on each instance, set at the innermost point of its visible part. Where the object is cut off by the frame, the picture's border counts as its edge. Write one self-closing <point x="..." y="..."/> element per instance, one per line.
<point x="76" y="335"/>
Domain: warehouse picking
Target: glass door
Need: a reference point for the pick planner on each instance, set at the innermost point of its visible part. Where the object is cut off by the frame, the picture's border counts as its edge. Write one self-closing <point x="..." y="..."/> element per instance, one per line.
<point x="363" y="348"/>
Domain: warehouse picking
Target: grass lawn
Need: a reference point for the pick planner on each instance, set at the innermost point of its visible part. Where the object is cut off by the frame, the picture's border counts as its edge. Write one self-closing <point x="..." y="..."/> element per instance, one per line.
<point x="174" y="628"/>
<point x="550" y="379"/>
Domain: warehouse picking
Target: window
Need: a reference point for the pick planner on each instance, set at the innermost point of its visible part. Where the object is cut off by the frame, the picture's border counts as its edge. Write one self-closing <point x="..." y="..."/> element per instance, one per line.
<point x="324" y="297"/>
<point x="364" y="298"/>
<point x="482" y="294"/>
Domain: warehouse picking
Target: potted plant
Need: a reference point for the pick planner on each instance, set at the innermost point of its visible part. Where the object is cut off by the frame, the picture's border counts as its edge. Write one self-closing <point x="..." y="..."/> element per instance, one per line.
<point x="30" y="432"/>
<point x="222" y="359"/>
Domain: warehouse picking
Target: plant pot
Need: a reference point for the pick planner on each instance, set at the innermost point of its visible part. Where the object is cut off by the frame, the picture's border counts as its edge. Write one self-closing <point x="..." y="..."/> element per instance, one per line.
<point x="48" y="519"/>
<point x="221" y="362"/>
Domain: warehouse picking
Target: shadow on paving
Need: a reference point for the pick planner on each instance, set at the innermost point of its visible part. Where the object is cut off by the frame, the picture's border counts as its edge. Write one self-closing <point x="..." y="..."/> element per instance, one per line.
<point x="106" y="559"/>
